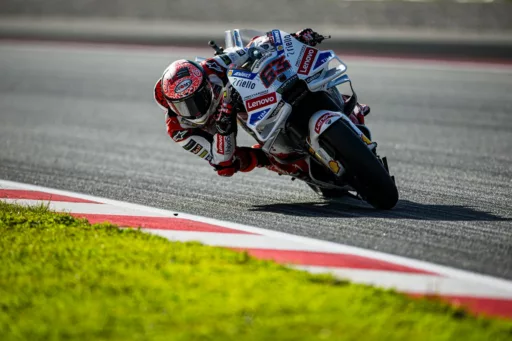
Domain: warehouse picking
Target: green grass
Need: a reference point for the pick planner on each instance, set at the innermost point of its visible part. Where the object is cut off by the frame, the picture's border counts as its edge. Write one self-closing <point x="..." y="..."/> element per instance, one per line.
<point x="63" y="279"/>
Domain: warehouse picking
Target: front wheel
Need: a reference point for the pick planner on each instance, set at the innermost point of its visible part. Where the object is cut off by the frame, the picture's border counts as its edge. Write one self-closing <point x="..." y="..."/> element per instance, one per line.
<point x="364" y="171"/>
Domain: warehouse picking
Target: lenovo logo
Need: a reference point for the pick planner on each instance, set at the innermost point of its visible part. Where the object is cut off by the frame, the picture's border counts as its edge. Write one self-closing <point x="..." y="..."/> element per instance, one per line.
<point x="220" y="145"/>
<point x="307" y="61"/>
<point x="322" y="120"/>
<point x="260" y="102"/>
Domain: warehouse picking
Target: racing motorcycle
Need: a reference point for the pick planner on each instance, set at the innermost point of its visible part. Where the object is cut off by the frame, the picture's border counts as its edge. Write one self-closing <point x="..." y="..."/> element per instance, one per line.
<point x="289" y="102"/>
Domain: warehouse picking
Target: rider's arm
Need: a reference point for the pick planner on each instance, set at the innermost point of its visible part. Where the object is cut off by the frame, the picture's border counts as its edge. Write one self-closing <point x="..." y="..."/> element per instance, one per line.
<point x="194" y="140"/>
<point x="218" y="149"/>
<point x="219" y="65"/>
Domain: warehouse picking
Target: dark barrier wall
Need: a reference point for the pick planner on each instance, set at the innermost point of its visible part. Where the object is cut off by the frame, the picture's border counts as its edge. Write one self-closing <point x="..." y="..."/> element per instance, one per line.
<point x="477" y="17"/>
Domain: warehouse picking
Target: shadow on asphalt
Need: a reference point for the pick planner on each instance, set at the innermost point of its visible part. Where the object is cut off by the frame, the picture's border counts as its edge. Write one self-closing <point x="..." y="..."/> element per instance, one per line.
<point x="405" y="209"/>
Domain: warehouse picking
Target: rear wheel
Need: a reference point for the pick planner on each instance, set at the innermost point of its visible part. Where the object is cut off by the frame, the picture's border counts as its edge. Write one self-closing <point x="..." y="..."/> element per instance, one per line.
<point x="365" y="171"/>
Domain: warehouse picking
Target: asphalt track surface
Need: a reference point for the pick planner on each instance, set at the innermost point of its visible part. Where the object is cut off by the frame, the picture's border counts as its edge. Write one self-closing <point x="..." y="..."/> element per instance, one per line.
<point x="82" y="118"/>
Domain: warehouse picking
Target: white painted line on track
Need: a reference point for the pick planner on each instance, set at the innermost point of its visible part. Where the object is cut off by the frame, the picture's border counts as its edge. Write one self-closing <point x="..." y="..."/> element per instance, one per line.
<point x="78" y="207"/>
<point x="234" y="240"/>
<point x="496" y="283"/>
<point x="8" y="185"/>
<point x="412" y="283"/>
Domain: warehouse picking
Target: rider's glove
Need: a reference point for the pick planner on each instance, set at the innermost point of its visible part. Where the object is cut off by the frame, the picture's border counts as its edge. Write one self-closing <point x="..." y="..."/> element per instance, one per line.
<point x="228" y="168"/>
<point x="306" y="36"/>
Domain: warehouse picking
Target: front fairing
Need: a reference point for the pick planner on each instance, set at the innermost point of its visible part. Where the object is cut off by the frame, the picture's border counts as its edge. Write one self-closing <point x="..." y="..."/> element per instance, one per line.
<point x="279" y="65"/>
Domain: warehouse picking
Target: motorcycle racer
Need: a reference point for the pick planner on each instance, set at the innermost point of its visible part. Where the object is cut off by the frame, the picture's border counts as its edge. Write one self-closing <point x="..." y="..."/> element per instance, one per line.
<point x="197" y="100"/>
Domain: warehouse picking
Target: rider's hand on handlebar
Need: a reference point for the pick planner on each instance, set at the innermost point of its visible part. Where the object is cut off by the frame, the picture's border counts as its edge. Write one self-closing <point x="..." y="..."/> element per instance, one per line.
<point x="309" y="37"/>
<point x="306" y="36"/>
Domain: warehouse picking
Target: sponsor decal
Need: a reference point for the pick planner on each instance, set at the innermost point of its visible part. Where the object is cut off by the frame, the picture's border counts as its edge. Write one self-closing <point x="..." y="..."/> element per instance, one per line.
<point x="179" y="135"/>
<point x="276" y="110"/>
<point x="260" y="102"/>
<point x="225" y="59"/>
<point x="277" y="37"/>
<point x="321" y="121"/>
<point x="288" y="84"/>
<point x="322" y="58"/>
<point x="243" y="74"/>
<point x="203" y="154"/>
<point x="229" y="145"/>
<point x="307" y="61"/>
<point x="278" y="43"/>
<point x="197" y="149"/>
<point x="365" y="139"/>
<point x="334" y="166"/>
<point x="288" y="43"/>
<point x="315" y="76"/>
<point x="240" y="52"/>
<point x="196" y="72"/>
<point x="220" y="145"/>
<point x="256" y="94"/>
<point x="301" y="54"/>
<point x="258" y="116"/>
<point x="182" y="86"/>
<point x="244" y="83"/>
<point x="211" y="64"/>
<point x="273" y="69"/>
<point x="191" y="144"/>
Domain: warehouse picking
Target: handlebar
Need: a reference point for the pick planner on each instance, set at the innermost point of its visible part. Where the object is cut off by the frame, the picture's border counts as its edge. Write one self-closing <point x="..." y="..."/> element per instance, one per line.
<point x="217" y="48"/>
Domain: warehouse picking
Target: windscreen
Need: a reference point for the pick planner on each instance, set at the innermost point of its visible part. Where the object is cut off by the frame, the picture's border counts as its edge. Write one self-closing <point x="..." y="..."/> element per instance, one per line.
<point x="240" y="37"/>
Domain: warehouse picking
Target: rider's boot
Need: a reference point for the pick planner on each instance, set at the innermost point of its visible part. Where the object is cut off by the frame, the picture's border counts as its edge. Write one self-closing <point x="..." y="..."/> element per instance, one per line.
<point x="250" y="158"/>
<point x="298" y="169"/>
<point x="358" y="118"/>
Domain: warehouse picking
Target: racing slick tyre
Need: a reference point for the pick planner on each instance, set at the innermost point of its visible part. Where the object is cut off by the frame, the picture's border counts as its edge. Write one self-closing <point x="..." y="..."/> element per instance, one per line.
<point x="364" y="171"/>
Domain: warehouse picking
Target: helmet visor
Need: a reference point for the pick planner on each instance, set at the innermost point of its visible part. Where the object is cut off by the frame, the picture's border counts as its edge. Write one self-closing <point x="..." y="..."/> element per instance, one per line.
<point x="194" y="106"/>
